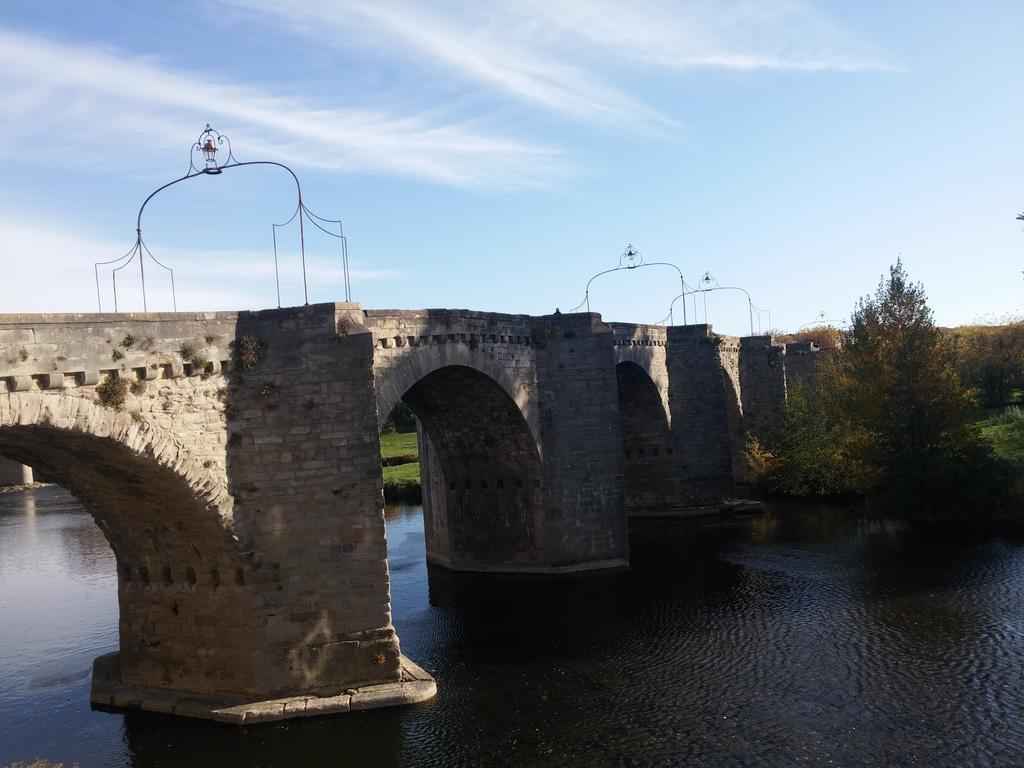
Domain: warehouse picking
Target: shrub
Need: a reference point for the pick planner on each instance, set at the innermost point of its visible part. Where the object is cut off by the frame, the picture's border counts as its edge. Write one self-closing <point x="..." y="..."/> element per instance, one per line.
<point x="248" y="351"/>
<point x="760" y="463"/>
<point x="112" y="393"/>
<point x="191" y="353"/>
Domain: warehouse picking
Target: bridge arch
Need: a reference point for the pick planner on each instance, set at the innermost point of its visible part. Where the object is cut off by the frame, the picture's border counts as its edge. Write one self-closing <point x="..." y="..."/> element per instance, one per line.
<point x="481" y="471"/>
<point x="646" y="437"/>
<point x="394" y="380"/>
<point x="170" y="523"/>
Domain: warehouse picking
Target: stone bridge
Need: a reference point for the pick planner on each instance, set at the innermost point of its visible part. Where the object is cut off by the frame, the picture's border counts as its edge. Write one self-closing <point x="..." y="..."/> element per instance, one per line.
<point x="233" y="462"/>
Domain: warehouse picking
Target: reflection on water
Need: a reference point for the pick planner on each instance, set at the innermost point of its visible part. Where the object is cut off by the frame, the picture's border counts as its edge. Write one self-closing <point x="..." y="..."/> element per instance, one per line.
<point x="804" y="636"/>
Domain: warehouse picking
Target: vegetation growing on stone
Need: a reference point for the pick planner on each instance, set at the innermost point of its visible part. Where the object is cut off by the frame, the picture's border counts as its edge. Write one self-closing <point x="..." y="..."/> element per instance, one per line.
<point x="191" y="353"/>
<point x="23" y="354"/>
<point x="112" y="393"/>
<point x="138" y="387"/>
<point x="128" y="341"/>
<point x="248" y="351"/>
<point x="116" y="355"/>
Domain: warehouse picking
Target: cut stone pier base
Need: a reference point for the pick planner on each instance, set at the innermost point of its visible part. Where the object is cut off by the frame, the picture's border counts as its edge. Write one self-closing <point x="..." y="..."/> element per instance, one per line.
<point x="108" y="692"/>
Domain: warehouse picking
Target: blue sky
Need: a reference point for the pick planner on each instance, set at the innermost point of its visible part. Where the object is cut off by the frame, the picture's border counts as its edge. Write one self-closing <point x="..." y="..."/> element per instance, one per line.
<point x="496" y="155"/>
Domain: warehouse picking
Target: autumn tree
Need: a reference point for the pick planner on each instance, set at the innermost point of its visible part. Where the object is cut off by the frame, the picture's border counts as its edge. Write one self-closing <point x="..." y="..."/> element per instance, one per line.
<point x="923" y="451"/>
<point x="888" y="417"/>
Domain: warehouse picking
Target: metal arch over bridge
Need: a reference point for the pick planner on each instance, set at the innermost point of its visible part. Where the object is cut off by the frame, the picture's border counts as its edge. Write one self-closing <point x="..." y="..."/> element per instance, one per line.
<point x="207" y="147"/>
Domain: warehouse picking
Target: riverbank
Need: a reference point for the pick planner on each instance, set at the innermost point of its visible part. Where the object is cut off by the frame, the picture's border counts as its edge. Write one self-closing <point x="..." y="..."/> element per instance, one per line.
<point x="23" y="487"/>
<point x="399" y="454"/>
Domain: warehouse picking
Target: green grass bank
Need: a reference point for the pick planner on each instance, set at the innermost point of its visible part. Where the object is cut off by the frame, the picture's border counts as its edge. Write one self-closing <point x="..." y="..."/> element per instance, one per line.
<point x="399" y="455"/>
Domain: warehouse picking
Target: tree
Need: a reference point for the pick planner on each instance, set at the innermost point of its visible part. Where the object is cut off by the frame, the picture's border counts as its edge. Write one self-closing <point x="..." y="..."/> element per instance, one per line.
<point x="886" y="416"/>
<point x="401" y="419"/>
<point x="921" y="452"/>
<point x="814" y="447"/>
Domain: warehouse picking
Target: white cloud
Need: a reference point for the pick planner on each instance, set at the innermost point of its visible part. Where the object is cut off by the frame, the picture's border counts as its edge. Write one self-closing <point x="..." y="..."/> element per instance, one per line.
<point x="555" y="53"/>
<point x="487" y="43"/>
<point x="89" y="104"/>
<point x="731" y="35"/>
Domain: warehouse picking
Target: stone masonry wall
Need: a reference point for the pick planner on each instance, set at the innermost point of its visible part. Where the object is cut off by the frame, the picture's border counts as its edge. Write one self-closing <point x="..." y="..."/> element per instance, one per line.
<point x="239" y="481"/>
<point x="409" y="344"/>
<point x="304" y="464"/>
<point x="644" y="421"/>
<point x="800" y="359"/>
<point x="582" y="445"/>
<point x="699" y="399"/>
<point x="470" y="377"/>
<point x="729" y="354"/>
<point x="253" y="563"/>
<point x="152" y="474"/>
<point x="763" y="370"/>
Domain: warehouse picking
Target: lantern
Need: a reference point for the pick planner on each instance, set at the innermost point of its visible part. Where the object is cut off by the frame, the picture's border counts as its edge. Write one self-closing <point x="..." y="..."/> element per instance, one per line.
<point x="210" y="152"/>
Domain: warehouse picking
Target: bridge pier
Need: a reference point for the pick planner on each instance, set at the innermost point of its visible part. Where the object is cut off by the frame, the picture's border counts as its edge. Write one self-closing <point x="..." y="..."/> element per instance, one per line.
<point x="14" y="473"/>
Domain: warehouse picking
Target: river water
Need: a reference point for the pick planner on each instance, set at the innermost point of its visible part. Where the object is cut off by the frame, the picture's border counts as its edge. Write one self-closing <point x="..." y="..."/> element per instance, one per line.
<point x="799" y="637"/>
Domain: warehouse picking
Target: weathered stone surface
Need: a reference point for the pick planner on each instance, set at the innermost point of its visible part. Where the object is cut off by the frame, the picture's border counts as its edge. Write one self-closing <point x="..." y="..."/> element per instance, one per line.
<point x="108" y="691"/>
<point x="237" y="472"/>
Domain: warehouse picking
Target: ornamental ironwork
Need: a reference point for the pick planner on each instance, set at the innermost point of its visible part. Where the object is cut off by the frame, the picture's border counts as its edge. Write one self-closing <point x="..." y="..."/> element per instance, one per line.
<point x="631" y="259"/>
<point x="211" y="155"/>
<point x="707" y="284"/>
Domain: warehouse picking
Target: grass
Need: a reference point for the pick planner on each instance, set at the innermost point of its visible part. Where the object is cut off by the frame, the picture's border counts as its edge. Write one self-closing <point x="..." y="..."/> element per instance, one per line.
<point x="1004" y="429"/>
<point x="402" y="483"/>
<point x="402" y="473"/>
<point x="400" y="457"/>
<point x="399" y="445"/>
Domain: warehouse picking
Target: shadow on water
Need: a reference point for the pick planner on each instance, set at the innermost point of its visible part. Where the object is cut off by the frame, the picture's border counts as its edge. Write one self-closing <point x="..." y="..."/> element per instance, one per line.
<point x="806" y="635"/>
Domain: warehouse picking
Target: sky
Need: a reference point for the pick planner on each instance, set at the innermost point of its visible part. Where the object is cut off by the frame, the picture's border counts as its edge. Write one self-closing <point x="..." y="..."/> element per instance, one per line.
<point x="495" y="156"/>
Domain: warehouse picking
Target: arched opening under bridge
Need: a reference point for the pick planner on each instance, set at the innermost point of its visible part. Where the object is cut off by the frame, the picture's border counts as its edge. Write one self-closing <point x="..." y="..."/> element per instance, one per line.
<point x="182" y="599"/>
<point x="481" y="473"/>
<point x="646" y="440"/>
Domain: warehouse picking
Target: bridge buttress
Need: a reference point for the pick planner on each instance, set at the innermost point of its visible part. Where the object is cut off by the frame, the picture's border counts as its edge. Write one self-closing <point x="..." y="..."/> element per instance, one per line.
<point x="584" y="500"/>
<point x="303" y="457"/>
<point x="704" y="402"/>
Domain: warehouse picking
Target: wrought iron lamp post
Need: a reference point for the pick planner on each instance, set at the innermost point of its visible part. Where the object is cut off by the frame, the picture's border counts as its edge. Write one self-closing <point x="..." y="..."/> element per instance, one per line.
<point x="206" y="148"/>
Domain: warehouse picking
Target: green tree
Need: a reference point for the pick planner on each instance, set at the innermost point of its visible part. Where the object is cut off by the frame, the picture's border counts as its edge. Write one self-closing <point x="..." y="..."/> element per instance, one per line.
<point x="815" y="444"/>
<point x="886" y="416"/>
<point x="920" y="451"/>
<point x="401" y="419"/>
